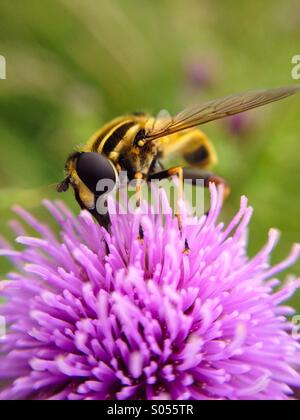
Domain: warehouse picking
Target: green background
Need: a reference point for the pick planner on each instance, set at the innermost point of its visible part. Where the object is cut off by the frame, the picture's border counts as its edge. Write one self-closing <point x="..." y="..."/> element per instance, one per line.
<point x="74" y="64"/>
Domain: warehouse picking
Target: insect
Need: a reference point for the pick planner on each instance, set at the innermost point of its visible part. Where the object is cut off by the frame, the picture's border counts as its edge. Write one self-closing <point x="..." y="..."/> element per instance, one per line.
<point x="138" y="144"/>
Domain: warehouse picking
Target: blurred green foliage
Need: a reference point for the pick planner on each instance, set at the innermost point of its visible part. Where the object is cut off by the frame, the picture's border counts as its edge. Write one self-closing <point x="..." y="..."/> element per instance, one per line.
<point x="73" y="64"/>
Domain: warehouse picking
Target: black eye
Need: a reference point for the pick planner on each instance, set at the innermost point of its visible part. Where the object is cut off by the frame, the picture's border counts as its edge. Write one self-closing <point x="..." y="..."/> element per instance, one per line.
<point x="94" y="167"/>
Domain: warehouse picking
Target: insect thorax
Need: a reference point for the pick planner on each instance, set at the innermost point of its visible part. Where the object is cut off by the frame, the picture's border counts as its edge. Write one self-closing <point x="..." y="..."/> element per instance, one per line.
<point x="117" y="141"/>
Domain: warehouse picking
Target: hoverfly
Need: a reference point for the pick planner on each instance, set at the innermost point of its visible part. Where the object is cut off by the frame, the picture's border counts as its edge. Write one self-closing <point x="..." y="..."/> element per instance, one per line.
<point x="138" y="143"/>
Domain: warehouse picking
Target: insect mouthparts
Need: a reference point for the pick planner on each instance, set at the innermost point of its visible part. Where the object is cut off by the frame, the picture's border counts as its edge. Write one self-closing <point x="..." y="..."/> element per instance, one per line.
<point x="63" y="186"/>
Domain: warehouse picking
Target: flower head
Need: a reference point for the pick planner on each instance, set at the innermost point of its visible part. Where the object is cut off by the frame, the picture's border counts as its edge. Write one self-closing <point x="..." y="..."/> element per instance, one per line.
<point x="201" y="72"/>
<point x="103" y="315"/>
<point x="240" y="125"/>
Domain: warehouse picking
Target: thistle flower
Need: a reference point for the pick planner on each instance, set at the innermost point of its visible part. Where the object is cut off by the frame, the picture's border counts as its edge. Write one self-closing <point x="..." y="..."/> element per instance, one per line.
<point x="240" y="125"/>
<point x="101" y="315"/>
<point x="200" y="73"/>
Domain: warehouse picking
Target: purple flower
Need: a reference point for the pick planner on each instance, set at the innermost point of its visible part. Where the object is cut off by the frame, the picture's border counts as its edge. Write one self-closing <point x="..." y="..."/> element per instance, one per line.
<point x="101" y="315"/>
<point x="200" y="73"/>
<point x="240" y="125"/>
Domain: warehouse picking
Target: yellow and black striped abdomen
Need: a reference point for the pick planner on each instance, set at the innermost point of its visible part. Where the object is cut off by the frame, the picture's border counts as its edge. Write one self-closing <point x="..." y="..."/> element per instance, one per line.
<point x="192" y="146"/>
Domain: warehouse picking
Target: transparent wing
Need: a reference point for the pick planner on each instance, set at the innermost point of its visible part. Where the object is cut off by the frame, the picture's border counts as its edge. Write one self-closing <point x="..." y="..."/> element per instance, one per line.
<point x="219" y="108"/>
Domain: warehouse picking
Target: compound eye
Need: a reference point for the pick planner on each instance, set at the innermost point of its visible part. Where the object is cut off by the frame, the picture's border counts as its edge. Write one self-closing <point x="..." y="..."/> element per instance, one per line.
<point x="94" y="167"/>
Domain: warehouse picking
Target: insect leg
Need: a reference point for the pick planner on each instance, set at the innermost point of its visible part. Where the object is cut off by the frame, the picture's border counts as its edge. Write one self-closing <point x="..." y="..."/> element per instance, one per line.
<point x="192" y="175"/>
<point x="139" y="177"/>
<point x="169" y="173"/>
